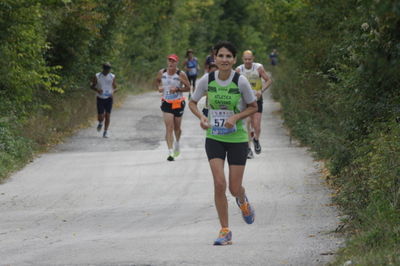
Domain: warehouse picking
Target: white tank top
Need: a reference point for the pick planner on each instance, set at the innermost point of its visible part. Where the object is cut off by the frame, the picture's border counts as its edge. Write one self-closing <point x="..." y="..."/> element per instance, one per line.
<point x="168" y="82"/>
<point x="105" y="83"/>
<point x="252" y="75"/>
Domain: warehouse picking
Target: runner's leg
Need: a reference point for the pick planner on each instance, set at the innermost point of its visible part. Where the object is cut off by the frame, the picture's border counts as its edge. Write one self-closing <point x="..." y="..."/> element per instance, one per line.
<point x="256" y="117"/>
<point x="194" y="82"/>
<point x="221" y="202"/>
<point x="250" y="133"/>
<point x="100" y="113"/>
<point x="257" y="132"/>
<point x="178" y="133"/>
<point x="177" y="128"/>
<point x="235" y="186"/>
<point x="100" y="110"/>
<point x="235" y="181"/>
<point x="100" y="118"/>
<point x="107" y="121"/>
<point x="169" y="128"/>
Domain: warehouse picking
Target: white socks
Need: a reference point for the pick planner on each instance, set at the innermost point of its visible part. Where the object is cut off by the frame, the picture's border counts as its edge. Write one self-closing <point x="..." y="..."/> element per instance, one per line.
<point x="176" y="146"/>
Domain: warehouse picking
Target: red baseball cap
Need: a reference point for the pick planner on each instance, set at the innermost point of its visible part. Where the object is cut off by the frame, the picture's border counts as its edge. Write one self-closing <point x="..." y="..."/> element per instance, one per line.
<point x="173" y="57"/>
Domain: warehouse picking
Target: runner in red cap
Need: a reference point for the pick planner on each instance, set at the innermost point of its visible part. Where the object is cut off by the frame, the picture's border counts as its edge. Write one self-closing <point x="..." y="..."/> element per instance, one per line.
<point x="171" y="82"/>
<point x="174" y="57"/>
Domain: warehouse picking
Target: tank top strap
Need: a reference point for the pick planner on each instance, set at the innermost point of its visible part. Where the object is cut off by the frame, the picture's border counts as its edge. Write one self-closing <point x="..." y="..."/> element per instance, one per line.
<point x="211" y="77"/>
<point x="235" y="78"/>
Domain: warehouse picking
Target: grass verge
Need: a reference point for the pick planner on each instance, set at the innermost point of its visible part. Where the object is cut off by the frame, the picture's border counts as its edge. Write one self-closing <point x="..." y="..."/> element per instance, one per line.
<point x="21" y="142"/>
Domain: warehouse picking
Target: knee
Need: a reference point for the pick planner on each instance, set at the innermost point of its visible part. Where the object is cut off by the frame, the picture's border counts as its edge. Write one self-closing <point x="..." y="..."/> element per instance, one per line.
<point x="220" y="187"/>
<point x="177" y="129"/>
<point x="169" y="129"/>
<point x="235" y="190"/>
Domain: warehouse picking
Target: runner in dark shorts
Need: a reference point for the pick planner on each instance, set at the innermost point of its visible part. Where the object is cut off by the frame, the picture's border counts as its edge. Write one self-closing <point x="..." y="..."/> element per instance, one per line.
<point x="171" y="82"/>
<point x="230" y="100"/>
<point x="105" y="86"/>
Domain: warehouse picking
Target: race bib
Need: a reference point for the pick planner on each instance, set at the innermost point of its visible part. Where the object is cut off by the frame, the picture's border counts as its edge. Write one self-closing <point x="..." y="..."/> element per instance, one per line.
<point x="218" y="119"/>
<point x="171" y="96"/>
<point x="192" y="71"/>
<point x="107" y="93"/>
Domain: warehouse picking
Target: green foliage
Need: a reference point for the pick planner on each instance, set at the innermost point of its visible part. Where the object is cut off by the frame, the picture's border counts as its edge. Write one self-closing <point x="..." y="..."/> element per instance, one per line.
<point x="340" y="96"/>
<point x="22" y="44"/>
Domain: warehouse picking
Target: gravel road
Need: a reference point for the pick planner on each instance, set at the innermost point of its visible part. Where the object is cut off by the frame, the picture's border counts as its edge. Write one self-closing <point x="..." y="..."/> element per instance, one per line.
<point x="118" y="201"/>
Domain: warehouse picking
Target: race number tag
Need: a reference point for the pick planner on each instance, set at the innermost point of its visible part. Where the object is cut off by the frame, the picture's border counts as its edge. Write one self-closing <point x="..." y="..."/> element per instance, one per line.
<point x="218" y="119"/>
<point x="170" y="96"/>
<point x="107" y="93"/>
<point x="192" y="71"/>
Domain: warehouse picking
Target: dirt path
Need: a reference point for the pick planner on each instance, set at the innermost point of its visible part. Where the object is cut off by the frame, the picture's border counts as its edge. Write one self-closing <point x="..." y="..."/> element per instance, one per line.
<point x="117" y="201"/>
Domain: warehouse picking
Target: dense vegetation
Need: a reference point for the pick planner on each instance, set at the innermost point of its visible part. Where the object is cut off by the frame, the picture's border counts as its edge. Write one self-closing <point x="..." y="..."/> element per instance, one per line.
<point x="338" y="81"/>
<point x="340" y="88"/>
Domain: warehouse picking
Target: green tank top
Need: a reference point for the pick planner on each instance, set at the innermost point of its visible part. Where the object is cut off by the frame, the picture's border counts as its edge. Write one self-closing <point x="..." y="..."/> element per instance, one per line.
<point x="223" y="102"/>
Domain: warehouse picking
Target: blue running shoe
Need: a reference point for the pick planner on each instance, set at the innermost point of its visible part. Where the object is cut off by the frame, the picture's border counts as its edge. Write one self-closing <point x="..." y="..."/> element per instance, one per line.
<point x="248" y="212"/>
<point x="224" y="237"/>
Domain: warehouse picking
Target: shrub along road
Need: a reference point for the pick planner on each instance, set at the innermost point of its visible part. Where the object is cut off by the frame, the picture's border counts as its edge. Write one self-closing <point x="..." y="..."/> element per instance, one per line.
<point x="118" y="201"/>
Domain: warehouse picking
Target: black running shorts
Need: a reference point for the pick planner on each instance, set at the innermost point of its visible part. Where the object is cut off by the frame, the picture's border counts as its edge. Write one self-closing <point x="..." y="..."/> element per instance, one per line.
<point x="236" y="152"/>
<point x="205" y="112"/>
<point x="167" y="108"/>
<point x="192" y="80"/>
<point x="104" y="105"/>
<point x="260" y="105"/>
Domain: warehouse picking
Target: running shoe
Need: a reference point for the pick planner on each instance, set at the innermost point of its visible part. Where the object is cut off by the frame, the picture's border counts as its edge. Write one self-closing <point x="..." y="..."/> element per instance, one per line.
<point x="170" y="158"/>
<point x="99" y="126"/>
<point x="250" y="154"/>
<point x="105" y="135"/>
<point x="257" y="146"/>
<point x="224" y="237"/>
<point x="248" y="212"/>
<point x="177" y="150"/>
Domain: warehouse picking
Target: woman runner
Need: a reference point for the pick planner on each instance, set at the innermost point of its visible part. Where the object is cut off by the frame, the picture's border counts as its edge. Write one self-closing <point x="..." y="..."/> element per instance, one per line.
<point x="191" y="66"/>
<point x="230" y="100"/>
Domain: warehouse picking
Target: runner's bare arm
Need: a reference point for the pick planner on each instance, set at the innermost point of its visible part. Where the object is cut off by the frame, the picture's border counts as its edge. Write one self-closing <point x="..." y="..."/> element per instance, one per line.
<point x="264" y="75"/>
<point x="185" y="81"/>
<point x="185" y="66"/>
<point x="251" y="109"/>
<point x="158" y="81"/>
<point x="114" y="85"/>
<point x="203" y="120"/>
<point x="93" y="85"/>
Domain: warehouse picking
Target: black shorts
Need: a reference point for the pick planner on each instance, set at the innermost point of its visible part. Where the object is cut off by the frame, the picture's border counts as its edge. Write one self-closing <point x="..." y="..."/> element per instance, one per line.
<point x="260" y="105"/>
<point x="205" y="112"/>
<point x="236" y="152"/>
<point x="167" y="108"/>
<point x="104" y="105"/>
<point x="192" y="80"/>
